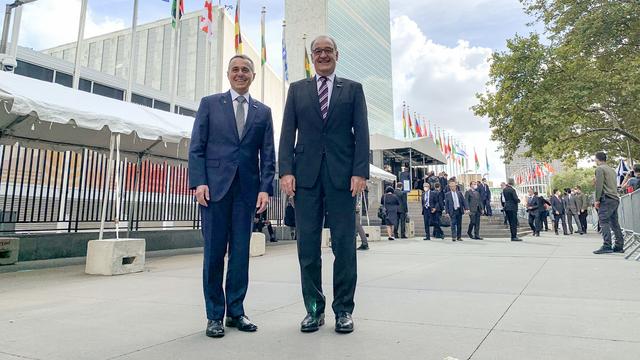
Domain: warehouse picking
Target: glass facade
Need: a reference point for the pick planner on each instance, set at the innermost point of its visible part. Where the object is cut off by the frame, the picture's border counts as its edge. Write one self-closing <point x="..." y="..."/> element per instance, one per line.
<point x="362" y="30"/>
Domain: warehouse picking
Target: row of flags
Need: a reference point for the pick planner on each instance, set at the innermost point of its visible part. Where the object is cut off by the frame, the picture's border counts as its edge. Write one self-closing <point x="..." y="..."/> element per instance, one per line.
<point x="534" y="172"/>
<point x="453" y="150"/>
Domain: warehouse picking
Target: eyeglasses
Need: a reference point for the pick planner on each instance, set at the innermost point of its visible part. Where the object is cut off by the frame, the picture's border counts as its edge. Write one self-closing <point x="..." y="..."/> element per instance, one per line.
<point x="318" y="52"/>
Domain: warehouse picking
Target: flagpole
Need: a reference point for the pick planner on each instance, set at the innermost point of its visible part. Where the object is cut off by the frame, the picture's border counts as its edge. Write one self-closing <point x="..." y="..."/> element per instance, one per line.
<point x="175" y="59"/>
<point x="262" y="55"/>
<point x="134" y="23"/>
<point x="284" y="63"/>
<point x="76" y="69"/>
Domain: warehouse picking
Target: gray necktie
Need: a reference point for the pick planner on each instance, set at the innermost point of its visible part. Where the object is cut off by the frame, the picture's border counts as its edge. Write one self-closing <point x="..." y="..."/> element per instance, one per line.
<point x="240" y="114"/>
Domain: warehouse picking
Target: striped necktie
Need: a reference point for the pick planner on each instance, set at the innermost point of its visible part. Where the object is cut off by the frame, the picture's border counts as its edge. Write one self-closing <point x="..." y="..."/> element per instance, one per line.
<point x="324" y="98"/>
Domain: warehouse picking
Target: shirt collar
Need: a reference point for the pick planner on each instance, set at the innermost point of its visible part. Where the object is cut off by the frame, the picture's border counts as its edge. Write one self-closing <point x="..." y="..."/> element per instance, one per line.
<point x="330" y="78"/>
<point x="234" y="95"/>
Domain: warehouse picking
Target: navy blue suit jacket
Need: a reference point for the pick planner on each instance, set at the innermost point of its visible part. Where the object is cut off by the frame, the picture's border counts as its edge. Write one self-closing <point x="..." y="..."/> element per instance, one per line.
<point x="218" y="152"/>
<point x="434" y="201"/>
<point x="448" y="202"/>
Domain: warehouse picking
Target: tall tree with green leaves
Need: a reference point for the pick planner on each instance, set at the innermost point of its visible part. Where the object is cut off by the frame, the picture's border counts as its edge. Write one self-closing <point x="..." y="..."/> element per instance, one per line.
<point x="574" y="91"/>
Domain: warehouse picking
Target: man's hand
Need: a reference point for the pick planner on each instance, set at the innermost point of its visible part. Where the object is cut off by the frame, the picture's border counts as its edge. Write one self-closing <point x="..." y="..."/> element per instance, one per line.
<point x="358" y="183"/>
<point x="557" y="212"/>
<point x="597" y="204"/>
<point x="202" y="195"/>
<point x="433" y="211"/>
<point x="466" y="211"/>
<point x="262" y="203"/>
<point x="288" y="184"/>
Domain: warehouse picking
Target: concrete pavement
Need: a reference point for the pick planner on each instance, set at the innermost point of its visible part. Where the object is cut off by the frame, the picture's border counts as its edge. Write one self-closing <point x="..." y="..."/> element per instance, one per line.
<point x="544" y="298"/>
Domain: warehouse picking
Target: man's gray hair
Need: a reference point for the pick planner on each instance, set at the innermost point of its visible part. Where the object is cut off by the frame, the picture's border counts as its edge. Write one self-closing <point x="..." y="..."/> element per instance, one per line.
<point x="327" y="37"/>
<point x="243" y="57"/>
<point x="511" y="182"/>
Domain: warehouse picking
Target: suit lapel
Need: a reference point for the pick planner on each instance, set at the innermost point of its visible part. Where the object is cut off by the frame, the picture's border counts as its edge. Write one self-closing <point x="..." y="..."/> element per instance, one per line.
<point x="335" y="95"/>
<point x="253" y="108"/>
<point x="229" y="115"/>
<point x="312" y="89"/>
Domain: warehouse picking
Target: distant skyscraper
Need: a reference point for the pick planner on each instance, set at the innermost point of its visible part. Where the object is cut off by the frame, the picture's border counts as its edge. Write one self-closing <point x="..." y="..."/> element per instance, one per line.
<point x="362" y="30"/>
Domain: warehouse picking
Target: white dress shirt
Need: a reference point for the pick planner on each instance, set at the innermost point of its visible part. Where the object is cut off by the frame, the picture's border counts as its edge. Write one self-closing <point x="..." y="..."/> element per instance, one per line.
<point x="456" y="201"/>
<point x="234" y="97"/>
<point x="330" y="79"/>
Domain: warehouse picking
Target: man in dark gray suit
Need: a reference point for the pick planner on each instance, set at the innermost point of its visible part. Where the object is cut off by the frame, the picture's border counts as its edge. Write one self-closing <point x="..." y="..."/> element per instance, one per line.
<point x="572" y="207"/>
<point x="511" y="202"/>
<point x="476" y="204"/>
<point x="557" y="207"/>
<point x="324" y="162"/>
<point x="402" y="212"/>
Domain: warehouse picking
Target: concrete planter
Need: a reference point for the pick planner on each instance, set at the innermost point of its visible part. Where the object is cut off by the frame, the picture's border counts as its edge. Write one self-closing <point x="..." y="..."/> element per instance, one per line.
<point x="9" y="248"/>
<point x="258" y="244"/>
<point x="373" y="232"/>
<point x="115" y="256"/>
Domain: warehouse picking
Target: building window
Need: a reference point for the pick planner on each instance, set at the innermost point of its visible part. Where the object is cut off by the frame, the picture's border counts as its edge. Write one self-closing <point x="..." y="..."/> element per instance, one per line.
<point x="84" y="85"/>
<point x="108" y="91"/>
<point x="64" y="79"/>
<point x="161" y="105"/>
<point x="186" y="112"/>
<point x="141" y="100"/>
<point x="34" y="71"/>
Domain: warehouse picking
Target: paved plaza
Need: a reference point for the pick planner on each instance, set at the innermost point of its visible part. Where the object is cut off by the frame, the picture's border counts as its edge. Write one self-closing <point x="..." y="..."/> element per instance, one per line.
<point x="544" y="298"/>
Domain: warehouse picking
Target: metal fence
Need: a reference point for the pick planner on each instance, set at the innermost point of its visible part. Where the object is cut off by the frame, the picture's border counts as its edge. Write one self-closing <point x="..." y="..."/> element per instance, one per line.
<point x="629" y="217"/>
<point x="46" y="190"/>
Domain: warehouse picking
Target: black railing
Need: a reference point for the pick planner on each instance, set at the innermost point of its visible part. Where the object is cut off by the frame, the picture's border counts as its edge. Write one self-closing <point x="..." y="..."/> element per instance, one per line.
<point x="46" y="190"/>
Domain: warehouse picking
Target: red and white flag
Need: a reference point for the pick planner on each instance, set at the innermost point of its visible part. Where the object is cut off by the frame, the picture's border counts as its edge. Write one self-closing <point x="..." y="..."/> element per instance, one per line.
<point x="206" y="19"/>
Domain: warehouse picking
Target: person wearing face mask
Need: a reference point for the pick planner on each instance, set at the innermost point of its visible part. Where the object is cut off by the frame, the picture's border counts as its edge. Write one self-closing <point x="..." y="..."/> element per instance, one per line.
<point x="429" y="207"/>
<point x="476" y="205"/>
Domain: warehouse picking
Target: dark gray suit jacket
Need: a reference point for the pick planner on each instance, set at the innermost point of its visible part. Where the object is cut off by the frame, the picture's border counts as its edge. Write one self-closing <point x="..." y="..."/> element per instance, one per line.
<point x="343" y="139"/>
<point x="474" y="201"/>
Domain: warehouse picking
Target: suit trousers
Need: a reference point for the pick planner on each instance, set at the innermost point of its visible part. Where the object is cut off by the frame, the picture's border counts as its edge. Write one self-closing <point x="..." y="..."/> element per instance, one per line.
<point x="535" y="222"/>
<point x="312" y="205"/>
<point x="401" y="225"/>
<point x="608" y="218"/>
<point x="427" y="223"/>
<point x="487" y="207"/>
<point x="583" y="221"/>
<point x="226" y="224"/>
<point x="435" y="221"/>
<point x="474" y="224"/>
<point x="456" y="223"/>
<point x="512" y="217"/>
<point x="573" y="216"/>
<point x="556" y="219"/>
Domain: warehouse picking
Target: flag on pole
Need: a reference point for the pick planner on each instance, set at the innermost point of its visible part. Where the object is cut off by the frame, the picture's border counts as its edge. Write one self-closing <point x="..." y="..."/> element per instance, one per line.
<point x="238" y="36"/>
<point x="263" y="50"/>
<point x="404" y="122"/>
<point x="621" y="170"/>
<point x="418" y="129"/>
<point x="486" y="159"/>
<point x="174" y="4"/>
<point x="411" y="132"/>
<point x="437" y="140"/>
<point x="206" y="20"/>
<point x="453" y="149"/>
<point x="475" y="157"/>
<point x="285" y="66"/>
<point x="307" y="64"/>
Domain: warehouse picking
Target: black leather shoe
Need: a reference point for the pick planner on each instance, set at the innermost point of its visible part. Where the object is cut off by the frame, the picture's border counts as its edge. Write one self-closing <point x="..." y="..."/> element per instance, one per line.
<point x="311" y="323"/>
<point x="215" y="329"/>
<point x="618" y="250"/>
<point x="242" y="323"/>
<point x="459" y="239"/>
<point x="344" y="323"/>
<point x="603" y="250"/>
<point x="426" y="238"/>
<point x="516" y="239"/>
<point x="478" y="238"/>
<point x="363" y="247"/>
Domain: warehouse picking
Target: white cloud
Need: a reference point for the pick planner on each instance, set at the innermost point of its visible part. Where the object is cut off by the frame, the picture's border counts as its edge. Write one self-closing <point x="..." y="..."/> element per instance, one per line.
<point x="440" y="82"/>
<point x="48" y="23"/>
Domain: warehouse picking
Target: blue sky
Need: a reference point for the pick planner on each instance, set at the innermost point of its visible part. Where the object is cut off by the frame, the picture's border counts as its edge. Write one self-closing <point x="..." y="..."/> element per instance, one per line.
<point x="439" y="48"/>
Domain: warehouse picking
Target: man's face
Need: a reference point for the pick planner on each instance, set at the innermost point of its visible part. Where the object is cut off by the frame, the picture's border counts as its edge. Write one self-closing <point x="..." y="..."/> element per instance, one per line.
<point x="426" y="186"/>
<point x="452" y="186"/>
<point x="324" y="56"/>
<point x="558" y="193"/>
<point x="530" y="192"/>
<point x="240" y="75"/>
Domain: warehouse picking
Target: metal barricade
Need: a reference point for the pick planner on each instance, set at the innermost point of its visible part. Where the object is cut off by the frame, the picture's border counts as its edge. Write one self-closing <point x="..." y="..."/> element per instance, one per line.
<point x="629" y="218"/>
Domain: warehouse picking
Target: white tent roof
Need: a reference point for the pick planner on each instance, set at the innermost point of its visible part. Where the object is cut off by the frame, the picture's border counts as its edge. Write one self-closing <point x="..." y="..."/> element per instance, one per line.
<point x="379" y="174"/>
<point x="37" y="112"/>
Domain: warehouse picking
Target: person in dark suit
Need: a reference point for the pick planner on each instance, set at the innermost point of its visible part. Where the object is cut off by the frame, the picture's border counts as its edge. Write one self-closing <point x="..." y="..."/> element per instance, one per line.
<point x="572" y="207"/>
<point x="392" y="204"/>
<point x="456" y="206"/>
<point x="324" y="162"/>
<point x="430" y="205"/>
<point x="475" y="204"/>
<point x="442" y="179"/>
<point x="435" y="216"/>
<point x="557" y="208"/>
<point x="400" y="225"/>
<point x="259" y="223"/>
<point x="502" y="186"/>
<point x="533" y="209"/>
<point x="511" y="202"/>
<point x="485" y="195"/>
<point x="583" y="201"/>
<point x="231" y="168"/>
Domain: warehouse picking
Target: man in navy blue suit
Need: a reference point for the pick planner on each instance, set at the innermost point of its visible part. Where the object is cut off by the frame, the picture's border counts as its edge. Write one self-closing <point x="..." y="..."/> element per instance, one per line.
<point x="430" y="205"/>
<point x="455" y="205"/>
<point x="231" y="167"/>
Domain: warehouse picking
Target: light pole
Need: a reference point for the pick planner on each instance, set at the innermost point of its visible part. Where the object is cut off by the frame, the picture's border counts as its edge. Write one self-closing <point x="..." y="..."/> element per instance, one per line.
<point x="8" y="60"/>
